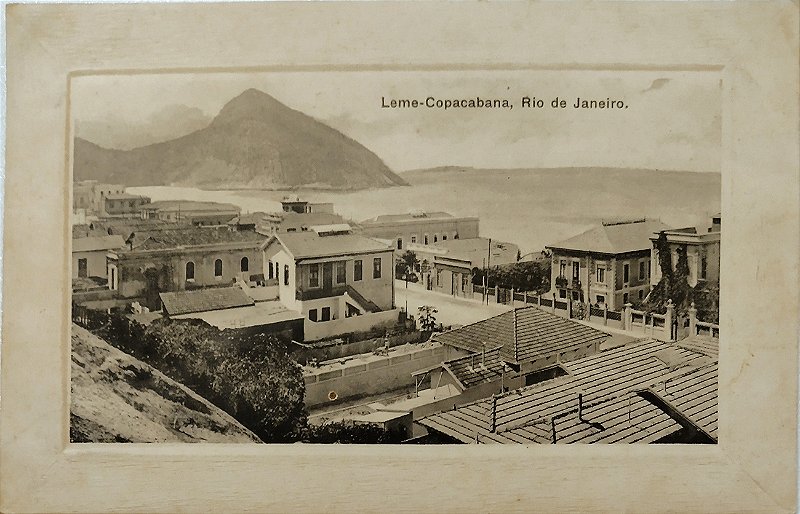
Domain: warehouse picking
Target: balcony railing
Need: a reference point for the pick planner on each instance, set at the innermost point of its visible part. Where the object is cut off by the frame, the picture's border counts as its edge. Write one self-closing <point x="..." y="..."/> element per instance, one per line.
<point x="576" y="284"/>
<point x="561" y="282"/>
<point x="323" y="292"/>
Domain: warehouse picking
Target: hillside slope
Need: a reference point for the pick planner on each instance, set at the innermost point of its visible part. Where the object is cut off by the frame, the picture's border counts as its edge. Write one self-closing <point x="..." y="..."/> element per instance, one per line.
<point x="117" y="398"/>
<point x="254" y="142"/>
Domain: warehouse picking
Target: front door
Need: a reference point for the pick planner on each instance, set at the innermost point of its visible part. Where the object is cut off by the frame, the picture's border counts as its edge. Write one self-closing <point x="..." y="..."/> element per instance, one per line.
<point x="327" y="276"/>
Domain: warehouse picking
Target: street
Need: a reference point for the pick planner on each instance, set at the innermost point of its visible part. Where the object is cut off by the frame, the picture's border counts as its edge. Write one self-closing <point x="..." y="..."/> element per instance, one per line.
<point x="452" y="310"/>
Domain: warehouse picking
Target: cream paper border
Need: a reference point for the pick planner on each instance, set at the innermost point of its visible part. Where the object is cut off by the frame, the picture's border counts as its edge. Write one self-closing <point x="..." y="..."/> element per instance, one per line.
<point x="753" y="46"/>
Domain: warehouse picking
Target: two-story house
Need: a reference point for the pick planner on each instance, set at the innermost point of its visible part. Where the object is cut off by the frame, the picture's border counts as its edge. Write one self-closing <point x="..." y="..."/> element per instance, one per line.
<point x="609" y="264"/>
<point x="702" y="246"/>
<point x="329" y="274"/>
<point x="419" y="227"/>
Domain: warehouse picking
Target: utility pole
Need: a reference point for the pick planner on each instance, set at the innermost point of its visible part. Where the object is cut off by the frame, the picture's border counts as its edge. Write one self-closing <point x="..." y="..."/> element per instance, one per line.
<point x="488" y="266"/>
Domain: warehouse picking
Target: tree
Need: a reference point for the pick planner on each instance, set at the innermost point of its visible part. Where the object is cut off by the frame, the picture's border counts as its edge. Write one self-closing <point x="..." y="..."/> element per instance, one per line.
<point x="427" y="318"/>
<point x="405" y="266"/>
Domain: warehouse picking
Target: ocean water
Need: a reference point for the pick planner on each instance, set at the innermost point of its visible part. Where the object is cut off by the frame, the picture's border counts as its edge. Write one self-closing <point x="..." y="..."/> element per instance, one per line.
<point x="531" y="208"/>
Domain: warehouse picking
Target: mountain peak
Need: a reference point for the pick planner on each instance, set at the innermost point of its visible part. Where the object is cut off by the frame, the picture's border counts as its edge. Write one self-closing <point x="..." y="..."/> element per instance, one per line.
<point x="251" y="103"/>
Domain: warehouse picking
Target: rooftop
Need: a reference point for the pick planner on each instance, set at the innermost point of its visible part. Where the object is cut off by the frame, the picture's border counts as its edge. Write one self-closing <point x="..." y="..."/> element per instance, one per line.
<point x="96" y="243"/>
<point x="259" y="314"/>
<point x="304" y="245"/>
<point x="200" y="300"/>
<point x="476" y="249"/>
<point x="609" y="383"/>
<point x="124" y="196"/>
<point x="410" y="216"/>
<point x="614" y="237"/>
<point x="523" y="334"/>
<point x="189" y="236"/>
<point x="477" y="368"/>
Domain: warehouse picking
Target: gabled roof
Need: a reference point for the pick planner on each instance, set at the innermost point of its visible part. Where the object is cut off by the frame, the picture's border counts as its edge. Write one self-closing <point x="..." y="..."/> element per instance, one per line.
<point x="614" y="238"/>
<point x="97" y="243"/>
<point x="609" y="382"/>
<point x="306" y="245"/>
<point x="477" y="368"/>
<point x="525" y="334"/>
<point x="200" y="300"/>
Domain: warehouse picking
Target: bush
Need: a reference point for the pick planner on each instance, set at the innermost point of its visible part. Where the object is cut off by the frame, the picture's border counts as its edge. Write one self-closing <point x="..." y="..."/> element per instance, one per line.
<point x="531" y="276"/>
<point x="347" y="432"/>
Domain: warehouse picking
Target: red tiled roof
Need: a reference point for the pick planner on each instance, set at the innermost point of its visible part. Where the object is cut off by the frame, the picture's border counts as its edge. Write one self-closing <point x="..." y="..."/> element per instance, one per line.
<point x="524" y="334"/>
<point x="615" y="238"/>
<point x="201" y="300"/>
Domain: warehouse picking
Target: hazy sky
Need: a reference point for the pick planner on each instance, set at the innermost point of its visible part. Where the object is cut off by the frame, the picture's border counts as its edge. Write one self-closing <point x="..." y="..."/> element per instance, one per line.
<point x="672" y="122"/>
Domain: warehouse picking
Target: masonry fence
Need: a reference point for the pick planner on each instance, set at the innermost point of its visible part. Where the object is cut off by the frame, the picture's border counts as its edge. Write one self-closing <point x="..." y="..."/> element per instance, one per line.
<point x="660" y="326"/>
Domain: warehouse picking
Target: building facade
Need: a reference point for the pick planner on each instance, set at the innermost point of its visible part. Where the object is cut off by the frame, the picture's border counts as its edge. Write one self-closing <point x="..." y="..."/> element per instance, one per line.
<point x="609" y="264"/>
<point x="88" y="196"/>
<point x="420" y="228"/>
<point x="184" y="259"/>
<point x="194" y="213"/>
<point x="702" y="252"/>
<point x="330" y="277"/>
<point x="123" y="205"/>
<point x="89" y="255"/>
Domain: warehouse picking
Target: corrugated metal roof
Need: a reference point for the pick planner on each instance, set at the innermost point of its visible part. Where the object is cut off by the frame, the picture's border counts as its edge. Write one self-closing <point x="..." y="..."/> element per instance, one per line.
<point x="524" y="415"/>
<point x="614" y="239"/>
<point x="525" y="334"/>
<point x="200" y="300"/>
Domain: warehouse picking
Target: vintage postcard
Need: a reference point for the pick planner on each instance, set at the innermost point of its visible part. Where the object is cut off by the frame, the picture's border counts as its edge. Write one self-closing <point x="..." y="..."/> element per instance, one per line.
<point x="320" y="260"/>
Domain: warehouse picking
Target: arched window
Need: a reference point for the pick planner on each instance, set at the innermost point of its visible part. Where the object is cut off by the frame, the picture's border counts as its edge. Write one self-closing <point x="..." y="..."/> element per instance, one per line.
<point x="286" y="274"/>
<point x="245" y="264"/>
<point x="189" y="271"/>
<point x="218" y="268"/>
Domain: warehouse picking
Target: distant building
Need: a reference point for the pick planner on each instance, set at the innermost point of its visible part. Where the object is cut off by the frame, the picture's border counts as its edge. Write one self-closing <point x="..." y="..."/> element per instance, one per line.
<point x="609" y="264"/>
<point x="296" y="205"/>
<point x="88" y="196"/>
<point x="194" y="213"/>
<point x="89" y="255"/>
<point x="123" y="205"/>
<point x="420" y="227"/>
<point x="330" y="275"/>
<point x="702" y="251"/>
<point x="296" y="222"/>
<point x="185" y="258"/>
<point x="447" y="266"/>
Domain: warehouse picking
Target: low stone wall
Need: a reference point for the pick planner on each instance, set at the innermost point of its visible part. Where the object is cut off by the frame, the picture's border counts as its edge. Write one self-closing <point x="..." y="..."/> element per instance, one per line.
<point x="304" y="354"/>
<point x="322" y="329"/>
<point x="371" y="375"/>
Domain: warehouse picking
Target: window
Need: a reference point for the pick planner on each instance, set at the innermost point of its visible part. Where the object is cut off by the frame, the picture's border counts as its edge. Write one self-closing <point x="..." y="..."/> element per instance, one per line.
<point x="286" y="274"/>
<point x="413" y="238"/>
<point x="626" y="272"/>
<point x="313" y="275"/>
<point x="455" y="236"/>
<point x="562" y="293"/>
<point x="245" y="264"/>
<point x="648" y="269"/>
<point x="562" y="268"/>
<point x="312" y="314"/>
<point x="642" y="270"/>
<point x="601" y="275"/>
<point x="625" y="298"/>
<point x="326" y="314"/>
<point x="357" y="270"/>
<point x="376" y="267"/>
<point x="82" y="268"/>
<point x="576" y="269"/>
<point x="399" y="243"/>
<point x="271" y="271"/>
<point x="444" y="237"/>
<point x="218" y="268"/>
<point x="426" y="239"/>
<point x="190" y="271"/>
<point x="435" y="238"/>
<point x="641" y="293"/>
<point x="703" y="268"/>
<point x="341" y="272"/>
<point x="601" y="299"/>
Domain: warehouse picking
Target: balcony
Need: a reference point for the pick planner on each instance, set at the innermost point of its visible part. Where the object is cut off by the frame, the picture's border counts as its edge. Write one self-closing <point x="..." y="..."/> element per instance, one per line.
<point x="561" y="282"/>
<point x="322" y="292"/>
<point x="575" y="283"/>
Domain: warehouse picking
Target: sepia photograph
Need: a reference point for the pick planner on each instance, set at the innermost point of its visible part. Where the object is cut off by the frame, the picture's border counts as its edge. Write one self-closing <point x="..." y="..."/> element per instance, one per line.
<point x="509" y="256"/>
<point x="400" y="257"/>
